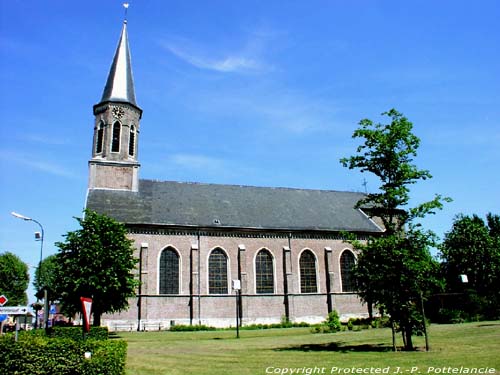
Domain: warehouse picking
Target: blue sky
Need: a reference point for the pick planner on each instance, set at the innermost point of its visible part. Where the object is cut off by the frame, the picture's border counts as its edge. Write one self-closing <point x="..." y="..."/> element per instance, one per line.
<point x="263" y="93"/>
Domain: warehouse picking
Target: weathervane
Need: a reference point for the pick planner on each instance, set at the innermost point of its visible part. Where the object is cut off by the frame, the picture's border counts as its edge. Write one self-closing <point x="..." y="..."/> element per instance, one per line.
<point x="126" y="5"/>
<point x="364" y="184"/>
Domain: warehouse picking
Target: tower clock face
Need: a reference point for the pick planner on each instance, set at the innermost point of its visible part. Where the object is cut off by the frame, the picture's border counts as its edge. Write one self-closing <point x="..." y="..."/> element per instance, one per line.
<point x="117" y="112"/>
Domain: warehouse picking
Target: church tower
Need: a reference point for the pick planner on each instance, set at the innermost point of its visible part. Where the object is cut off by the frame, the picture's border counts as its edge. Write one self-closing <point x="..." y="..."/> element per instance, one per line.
<point x="114" y="162"/>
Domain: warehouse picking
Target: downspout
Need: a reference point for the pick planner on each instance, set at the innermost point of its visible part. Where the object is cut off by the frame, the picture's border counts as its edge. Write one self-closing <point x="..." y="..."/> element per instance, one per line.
<point x="139" y="297"/>
<point x="199" y="280"/>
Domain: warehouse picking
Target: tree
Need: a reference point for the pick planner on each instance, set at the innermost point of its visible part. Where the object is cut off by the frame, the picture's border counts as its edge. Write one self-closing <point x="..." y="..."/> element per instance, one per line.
<point x="472" y="247"/>
<point x="45" y="277"/>
<point x="393" y="270"/>
<point x="14" y="279"/>
<point x="96" y="261"/>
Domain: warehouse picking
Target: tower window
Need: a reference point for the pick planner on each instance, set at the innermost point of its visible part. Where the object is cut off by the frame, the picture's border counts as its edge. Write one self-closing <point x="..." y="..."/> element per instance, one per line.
<point x="131" y="141"/>
<point x="115" y="141"/>
<point x="217" y="272"/>
<point x="307" y="264"/>
<point x="100" y="136"/>
<point x="169" y="271"/>
<point x="347" y="263"/>
<point x="264" y="274"/>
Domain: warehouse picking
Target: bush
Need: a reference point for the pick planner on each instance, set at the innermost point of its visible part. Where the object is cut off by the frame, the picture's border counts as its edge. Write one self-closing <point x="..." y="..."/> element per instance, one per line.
<point x="188" y="328"/>
<point x="446" y="316"/>
<point x="333" y="321"/>
<point x="38" y="354"/>
<point x="76" y="333"/>
<point x="275" y="325"/>
<point x="330" y="325"/>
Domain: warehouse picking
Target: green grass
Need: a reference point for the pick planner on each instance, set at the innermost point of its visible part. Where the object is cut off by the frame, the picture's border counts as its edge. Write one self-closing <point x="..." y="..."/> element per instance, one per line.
<point x="471" y="345"/>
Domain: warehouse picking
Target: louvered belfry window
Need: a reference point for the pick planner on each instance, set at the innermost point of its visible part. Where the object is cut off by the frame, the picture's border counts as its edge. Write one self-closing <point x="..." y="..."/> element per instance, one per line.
<point x="217" y="272"/>
<point x="100" y="136"/>
<point x="264" y="272"/>
<point x="169" y="272"/>
<point x="115" y="141"/>
<point x="307" y="264"/>
<point x="347" y="263"/>
<point x="131" y="142"/>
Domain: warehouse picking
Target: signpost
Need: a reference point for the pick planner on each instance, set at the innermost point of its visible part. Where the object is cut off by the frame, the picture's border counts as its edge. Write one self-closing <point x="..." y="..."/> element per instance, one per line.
<point x="16" y="311"/>
<point x="237" y="289"/>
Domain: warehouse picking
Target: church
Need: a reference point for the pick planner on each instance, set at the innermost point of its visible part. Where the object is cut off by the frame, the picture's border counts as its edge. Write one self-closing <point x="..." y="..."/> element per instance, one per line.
<point x="209" y="252"/>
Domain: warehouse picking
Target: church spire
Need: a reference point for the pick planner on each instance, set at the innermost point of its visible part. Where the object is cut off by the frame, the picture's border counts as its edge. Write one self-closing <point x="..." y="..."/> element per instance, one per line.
<point x="114" y="164"/>
<point x="120" y="84"/>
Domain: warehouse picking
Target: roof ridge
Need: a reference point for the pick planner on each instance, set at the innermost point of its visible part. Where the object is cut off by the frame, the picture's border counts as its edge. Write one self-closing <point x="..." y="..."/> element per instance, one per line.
<point x="249" y="186"/>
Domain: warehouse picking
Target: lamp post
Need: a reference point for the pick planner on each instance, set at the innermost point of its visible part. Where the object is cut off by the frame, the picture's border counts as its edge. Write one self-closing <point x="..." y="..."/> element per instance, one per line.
<point x="40" y="237"/>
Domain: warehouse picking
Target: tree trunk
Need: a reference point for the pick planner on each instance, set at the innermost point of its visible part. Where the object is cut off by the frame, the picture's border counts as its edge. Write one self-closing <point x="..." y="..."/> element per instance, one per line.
<point x="408" y="340"/>
<point x="97" y="318"/>
<point x="370" y="310"/>
<point x="393" y="336"/>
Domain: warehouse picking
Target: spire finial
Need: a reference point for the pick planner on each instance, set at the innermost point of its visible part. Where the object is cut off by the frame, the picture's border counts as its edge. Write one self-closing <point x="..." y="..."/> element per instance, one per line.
<point x="125" y="5"/>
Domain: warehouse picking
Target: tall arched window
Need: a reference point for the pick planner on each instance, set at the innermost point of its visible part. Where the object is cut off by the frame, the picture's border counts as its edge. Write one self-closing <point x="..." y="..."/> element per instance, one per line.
<point x="264" y="272"/>
<point x="115" y="140"/>
<point x="347" y="263"/>
<point x="307" y="264"/>
<point x="131" y="141"/>
<point x="169" y="271"/>
<point x="100" y="136"/>
<point x="217" y="272"/>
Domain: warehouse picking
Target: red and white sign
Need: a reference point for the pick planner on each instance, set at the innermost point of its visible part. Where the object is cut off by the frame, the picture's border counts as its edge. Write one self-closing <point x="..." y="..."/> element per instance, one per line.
<point x="3" y="300"/>
<point x="87" y="308"/>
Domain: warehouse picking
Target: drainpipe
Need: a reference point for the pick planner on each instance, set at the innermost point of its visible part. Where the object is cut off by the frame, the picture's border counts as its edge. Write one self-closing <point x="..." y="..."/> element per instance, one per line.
<point x="144" y="245"/>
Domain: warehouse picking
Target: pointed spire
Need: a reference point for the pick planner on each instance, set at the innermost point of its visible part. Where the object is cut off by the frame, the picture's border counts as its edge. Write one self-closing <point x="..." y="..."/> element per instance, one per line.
<point x="120" y="84"/>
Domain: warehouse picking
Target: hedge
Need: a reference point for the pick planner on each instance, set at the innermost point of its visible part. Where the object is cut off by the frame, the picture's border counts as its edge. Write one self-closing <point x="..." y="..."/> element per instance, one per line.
<point x="36" y="354"/>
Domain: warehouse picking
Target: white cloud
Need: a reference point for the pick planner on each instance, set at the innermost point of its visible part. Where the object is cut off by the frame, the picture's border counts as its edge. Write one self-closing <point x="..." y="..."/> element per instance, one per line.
<point x="227" y="64"/>
<point x="37" y="164"/>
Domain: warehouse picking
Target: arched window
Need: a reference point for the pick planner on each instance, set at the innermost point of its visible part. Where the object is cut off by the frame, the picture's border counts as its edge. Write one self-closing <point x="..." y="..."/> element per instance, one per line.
<point x="131" y="141"/>
<point x="99" y="140"/>
<point x="169" y="271"/>
<point x="115" y="140"/>
<point x="307" y="264"/>
<point x="347" y="263"/>
<point x="264" y="272"/>
<point x="217" y="272"/>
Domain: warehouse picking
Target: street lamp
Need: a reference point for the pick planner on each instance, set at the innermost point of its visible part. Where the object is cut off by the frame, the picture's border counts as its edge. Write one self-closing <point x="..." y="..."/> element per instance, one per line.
<point x="38" y="236"/>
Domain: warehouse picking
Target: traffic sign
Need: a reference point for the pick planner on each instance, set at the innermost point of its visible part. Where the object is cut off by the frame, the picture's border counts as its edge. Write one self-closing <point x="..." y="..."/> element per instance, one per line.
<point x="15" y="310"/>
<point x="3" y="300"/>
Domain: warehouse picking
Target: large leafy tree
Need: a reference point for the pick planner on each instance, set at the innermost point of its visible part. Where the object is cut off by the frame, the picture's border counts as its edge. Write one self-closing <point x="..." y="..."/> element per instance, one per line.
<point x="394" y="270"/>
<point x="14" y="279"/>
<point x="96" y="261"/>
<point x="45" y="277"/>
<point x="472" y="248"/>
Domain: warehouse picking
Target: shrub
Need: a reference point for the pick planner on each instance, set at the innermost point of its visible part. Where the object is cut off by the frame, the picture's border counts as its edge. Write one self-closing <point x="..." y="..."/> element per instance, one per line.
<point x="451" y="316"/>
<point x="187" y="328"/>
<point x="350" y="325"/>
<point x="330" y="325"/>
<point x="76" y="333"/>
<point x="38" y="354"/>
<point x="333" y="321"/>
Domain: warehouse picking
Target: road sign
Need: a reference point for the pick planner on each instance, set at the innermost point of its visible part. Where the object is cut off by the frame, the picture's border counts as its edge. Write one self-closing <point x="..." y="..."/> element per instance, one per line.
<point x="3" y="317"/>
<point x="3" y="300"/>
<point x="87" y="307"/>
<point x="15" y="310"/>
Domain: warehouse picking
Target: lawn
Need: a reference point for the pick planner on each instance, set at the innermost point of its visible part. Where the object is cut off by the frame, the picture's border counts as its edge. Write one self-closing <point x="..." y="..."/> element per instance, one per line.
<point x="460" y="349"/>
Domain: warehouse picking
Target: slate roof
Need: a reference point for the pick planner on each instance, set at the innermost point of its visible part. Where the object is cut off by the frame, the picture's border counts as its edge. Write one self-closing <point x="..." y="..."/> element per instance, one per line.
<point x="231" y="206"/>
<point x="120" y="83"/>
